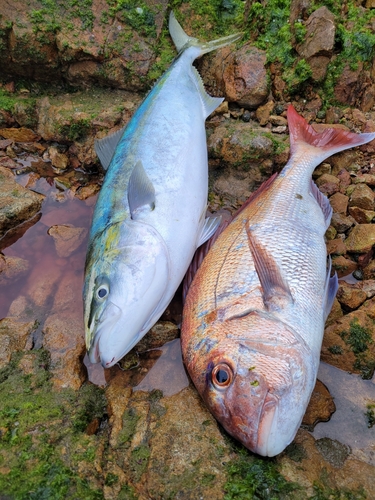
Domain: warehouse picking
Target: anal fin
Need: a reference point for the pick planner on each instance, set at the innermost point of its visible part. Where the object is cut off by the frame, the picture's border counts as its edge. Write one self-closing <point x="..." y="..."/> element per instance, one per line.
<point x="331" y="287"/>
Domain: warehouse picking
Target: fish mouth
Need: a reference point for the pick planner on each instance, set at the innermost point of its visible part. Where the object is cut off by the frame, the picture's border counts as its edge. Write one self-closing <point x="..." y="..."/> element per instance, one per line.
<point x="107" y="323"/>
<point x="267" y="443"/>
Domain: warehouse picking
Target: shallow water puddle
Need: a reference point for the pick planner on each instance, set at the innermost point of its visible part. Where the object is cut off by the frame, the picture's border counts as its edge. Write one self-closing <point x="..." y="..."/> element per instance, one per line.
<point x="349" y="424"/>
<point x="31" y="242"/>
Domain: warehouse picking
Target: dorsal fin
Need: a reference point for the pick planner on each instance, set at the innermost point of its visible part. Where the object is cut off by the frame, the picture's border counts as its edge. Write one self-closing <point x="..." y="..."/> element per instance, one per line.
<point x="261" y="189"/>
<point x="105" y="148"/>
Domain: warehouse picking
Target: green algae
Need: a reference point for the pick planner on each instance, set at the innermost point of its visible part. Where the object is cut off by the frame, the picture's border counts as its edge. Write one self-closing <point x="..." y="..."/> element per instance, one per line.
<point x="252" y="477"/>
<point x="359" y="338"/>
<point x="37" y="426"/>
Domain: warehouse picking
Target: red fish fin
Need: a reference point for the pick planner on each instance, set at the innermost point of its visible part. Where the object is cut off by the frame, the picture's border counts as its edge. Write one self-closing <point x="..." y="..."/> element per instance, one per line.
<point x="275" y="290"/>
<point x="331" y="141"/>
<point x="263" y="187"/>
<point x="202" y="251"/>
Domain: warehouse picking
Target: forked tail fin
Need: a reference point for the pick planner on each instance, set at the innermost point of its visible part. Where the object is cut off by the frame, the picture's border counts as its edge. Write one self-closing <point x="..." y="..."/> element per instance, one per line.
<point x="329" y="142"/>
<point x="182" y="41"/>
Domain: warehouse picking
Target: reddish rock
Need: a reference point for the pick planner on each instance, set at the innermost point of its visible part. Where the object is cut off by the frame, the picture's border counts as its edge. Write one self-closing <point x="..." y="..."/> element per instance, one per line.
<point x="319" y="41"/>
<point x="241" y="75"/>
<point x="344" y="178"/>
<point x="348" y="84"/>
<point x="365" y="258"/>
<point x="361" y="238"/>
<point x="339" y="203"/>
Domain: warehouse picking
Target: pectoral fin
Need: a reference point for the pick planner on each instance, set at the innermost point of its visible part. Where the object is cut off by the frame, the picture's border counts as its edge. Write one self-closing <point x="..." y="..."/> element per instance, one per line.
<point x="141" y="192"/>
<point x="276" y="292"/>
<point x="210" y="225"/>
<point x="105" y="148"/>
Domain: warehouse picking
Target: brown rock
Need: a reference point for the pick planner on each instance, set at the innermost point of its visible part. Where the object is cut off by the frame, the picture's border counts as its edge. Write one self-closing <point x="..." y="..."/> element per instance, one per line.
<point x="67" y="238"/>
<point x="319" y="66"/>
<point x="12" y="268"/>
<point x="350" y="296"/>
<point x="320" y="35"/>
<point x="58" y="160"/>
<point x="320" y="408"/>
<point x="323" y="168"/>
<point x="362" y="197"/>
<point x="368" y="99"/>
<point x="369" y="308"/>
<point x="341" y="222"/>
<point x="334" y="115"/>
<point x="331" y="233"/>
<point x="13" y="337"/>
<point x="343" y="266"/>
<point x="336" y="247"/>
<point x="263" y="112"/>
<point x="344" y="178"/>
<point x="326" y="178"/>
<point x="242" y="75"/>
<point x="64" y="339"/>
<point x="369" y="271"/>
<point x="7" y="162"/>
<point x="335" y="313"/>
<point x="345" y="345"/>
<point x="17" y="204"/>
<point x="21" y="134"/>
<point x="346" y="89"/>
<point x="339" y="203"/>
<point x="361" y="238"/>
<point x="368" y="179"/>
<point x="361" y="216"/>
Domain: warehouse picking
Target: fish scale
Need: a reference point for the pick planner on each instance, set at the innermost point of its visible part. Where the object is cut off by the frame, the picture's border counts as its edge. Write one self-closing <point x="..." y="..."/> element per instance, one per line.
<point x="253" y="319"/>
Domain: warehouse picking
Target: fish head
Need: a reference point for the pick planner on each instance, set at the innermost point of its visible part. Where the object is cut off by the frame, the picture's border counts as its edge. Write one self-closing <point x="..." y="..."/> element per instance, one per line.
<point x="126" y="274"/>
<point x="256" y="385"/>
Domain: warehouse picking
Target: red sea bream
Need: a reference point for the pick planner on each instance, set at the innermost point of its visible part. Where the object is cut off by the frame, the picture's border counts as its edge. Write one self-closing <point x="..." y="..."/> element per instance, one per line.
<point x="150" y="215"/>
<point x="254" y="315"/>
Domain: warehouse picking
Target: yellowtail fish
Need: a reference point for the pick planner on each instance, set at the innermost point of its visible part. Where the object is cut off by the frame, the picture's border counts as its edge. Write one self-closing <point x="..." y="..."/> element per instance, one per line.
<point x="150" y="215"/>
<point x="254" y="315"/>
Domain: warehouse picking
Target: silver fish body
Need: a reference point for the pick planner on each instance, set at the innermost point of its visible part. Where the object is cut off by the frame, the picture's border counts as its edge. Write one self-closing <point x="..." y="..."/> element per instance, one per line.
<point x="150" y="214"/>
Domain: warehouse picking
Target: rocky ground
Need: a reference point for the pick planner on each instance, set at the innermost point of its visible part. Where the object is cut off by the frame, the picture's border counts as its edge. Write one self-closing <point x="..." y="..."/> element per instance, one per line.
<point x="69" y="430"/>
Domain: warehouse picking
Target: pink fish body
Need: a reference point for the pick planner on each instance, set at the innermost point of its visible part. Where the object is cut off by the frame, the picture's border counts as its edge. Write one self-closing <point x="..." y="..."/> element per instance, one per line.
<point x="254" y="315"/>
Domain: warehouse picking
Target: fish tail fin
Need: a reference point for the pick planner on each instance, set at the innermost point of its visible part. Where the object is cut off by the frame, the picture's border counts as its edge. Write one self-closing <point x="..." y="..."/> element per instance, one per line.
<point x="329" y="142"/>
<point x="182" y="41"/>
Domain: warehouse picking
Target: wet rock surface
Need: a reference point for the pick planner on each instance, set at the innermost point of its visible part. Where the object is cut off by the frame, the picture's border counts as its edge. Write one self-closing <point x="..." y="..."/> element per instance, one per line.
<point x="69" y="429"/>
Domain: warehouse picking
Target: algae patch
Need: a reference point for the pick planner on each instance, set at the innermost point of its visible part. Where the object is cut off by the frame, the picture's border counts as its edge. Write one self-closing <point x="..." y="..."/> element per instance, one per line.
<point x="42" y="445"/>
<point x="249" y="476"/>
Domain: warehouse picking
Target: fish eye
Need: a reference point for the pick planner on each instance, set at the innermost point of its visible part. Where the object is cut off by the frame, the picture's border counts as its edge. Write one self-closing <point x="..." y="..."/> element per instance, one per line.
<point x="222" y="375"/>
<point x="102" y="292"/>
